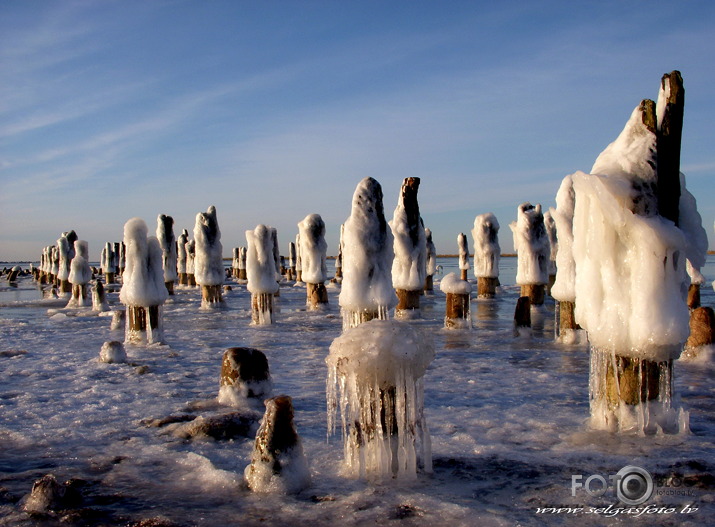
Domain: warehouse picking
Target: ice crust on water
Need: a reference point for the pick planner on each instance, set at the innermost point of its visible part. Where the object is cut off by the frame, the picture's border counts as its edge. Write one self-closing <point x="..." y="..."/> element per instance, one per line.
<point x="375" y="378"/>
<point x="260" y="262"/>
<point x="463" y="251"/>
<point x="563" y="289"/>
<point x="409" y="267"/>
<point x="453" y="284"/>
<point x="143" y="278"/>
<point x="313" y="249"/>
<point x="208" y="259"/>
<point x="486" y="246"/>
<point x="531" y="244"/>
<point x="367" y="253"/>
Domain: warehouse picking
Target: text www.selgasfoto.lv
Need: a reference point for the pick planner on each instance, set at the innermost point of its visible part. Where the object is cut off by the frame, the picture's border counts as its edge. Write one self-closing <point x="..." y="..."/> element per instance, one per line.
<point x="612" y="510"/>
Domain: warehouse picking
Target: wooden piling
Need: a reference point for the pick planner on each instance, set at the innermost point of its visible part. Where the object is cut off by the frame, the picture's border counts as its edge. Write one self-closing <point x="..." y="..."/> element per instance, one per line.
<point x="702" y="328"/>
<point x="535" y="292"/>
<point x="457" y="310"/>
<point x="522" y="313"/>
<point x="694" y="296"/>
<point x="317" y="295"/>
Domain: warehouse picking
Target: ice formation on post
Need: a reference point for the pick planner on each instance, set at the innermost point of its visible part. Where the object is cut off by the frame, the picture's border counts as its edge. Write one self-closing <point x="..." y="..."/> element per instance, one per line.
<point x="376" y="378"/>
<point x="486" y="254"/>
<point x="63" y="266"/>
<point x="261" y="271"/>
<point x="165" y="234"/>
<point x="235" y="262"/>
<point x="143" y="290"/>
<point x="409" y="266"/>
<point x="458" y="291"/>
<point x="181" y="257"/>
<point x="463" y="248"/>
<point x="631" y="280"/>
<point x="532" y="247"/>
<point x="208" y="260"/>
<point x="292" y="261"/>
<point x="563" y="289"/>
<point x="190" y="261"/>
<point x="278" y="464"/>
<point x="551" y="234"/>
<point x="339" y="258"/>
<point x="313" y="249"/>
<point x="99" y="298"/>
<point x="242" y="256"/>
<point x="80" y="275"/>
<point x="431" y="261"/>
<point x="108" y="262"/>
<point x="366" y="291"/>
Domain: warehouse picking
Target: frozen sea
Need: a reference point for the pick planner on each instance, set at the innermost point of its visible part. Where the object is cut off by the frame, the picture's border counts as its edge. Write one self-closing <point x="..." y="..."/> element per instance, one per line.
<point x="507" y="416"/>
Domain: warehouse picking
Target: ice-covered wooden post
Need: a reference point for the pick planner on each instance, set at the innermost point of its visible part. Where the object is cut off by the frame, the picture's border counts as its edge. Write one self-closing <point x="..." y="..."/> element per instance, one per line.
<point x="375" y="377"/>
<point x="165" y="234"/>
<point x="291" y="261"/>
<point x="121" y="250"/>
<point x="409" y="267"/>
<point x="181" y="257"/>
<point x="242" y="256"/>
<point x="80" y="275"/>
<point x="261" y="271"/>
<point x="366" y="291"/>
<point x="551" y="234"/>
<point x="630" y="273"/>
<point x="458" y="291"/>
<point x="234" y="263"/>
<point x="143" y="290"/>
<point x="63" y="269"/>
<point x="463" y="248"/>
<point x="54" y="265"/>
<point x="313" y="253"/>
<point x="108" y="262"/>
<point x="431" y="262"/>
<point x="522" y="317"/>
<point x="339" y="258"/>
<point x="191" y="263"/>
<point x="532" y="246"/>
<point x="486" y="254"/>
<point x="278" y="464"/>
<point x="276" y="259"/>
<point x="563" y="289"/>
<point x="208" y="262"/>
<point x="99" y="297"/>
<point x="298" y="262"/>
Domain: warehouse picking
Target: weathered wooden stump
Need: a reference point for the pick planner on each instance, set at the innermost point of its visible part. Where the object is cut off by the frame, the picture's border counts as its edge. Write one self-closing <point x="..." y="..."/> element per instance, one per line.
<point x="535" y="292"/>
<point x="634" y="380"/>
<point x="408" y="302"/>
<point x="702" y="328"/>
<point x="262" y="309"/>
<point x="141" y="321"/>
<point x="429" y="283"/>
<point x="317" y="295"/>
<point x="244" y="372"/>
<point x="567" y="317"/>
<point x="522" y="313"/>
<point x="457" y="310"/>
<point x="694" y="296"/>
<point x="487" y="286"/>
<point x="211" y="295"/>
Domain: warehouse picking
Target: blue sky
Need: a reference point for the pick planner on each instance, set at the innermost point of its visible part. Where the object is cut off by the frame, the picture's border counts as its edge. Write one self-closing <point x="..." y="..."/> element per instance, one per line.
<point x="273" y="110"/>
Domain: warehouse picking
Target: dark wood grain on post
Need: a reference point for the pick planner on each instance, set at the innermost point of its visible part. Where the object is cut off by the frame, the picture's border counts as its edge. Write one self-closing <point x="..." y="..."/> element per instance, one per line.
<point x="669" y="137"/>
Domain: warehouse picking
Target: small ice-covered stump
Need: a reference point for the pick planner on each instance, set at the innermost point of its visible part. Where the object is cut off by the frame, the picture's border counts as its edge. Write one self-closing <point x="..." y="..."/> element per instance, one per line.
<point x="532" y="247"/>
<point x="563" y="289"/>
<point x="55" y="265"/>
<point x="339" y="258"/>
<point x="234" y="262"/>
<point x="108" y="262"/>
<point x="376" y="377"/>
<point x="522" y="317"/>
<point x="409" y="267"/>
<point x="313" y="250"/>
<point x="14" y="273"/>
<point x="278" y="464"/>
<point x="190" y="263"/>
<point x="431" y="262"/>
<point x="181" y="257"/>
<point x="458" y="291"/>
<point x="242" y="257"/>
<point x="80" y="275"/>
<point x="630" y="248"/>
<point x="463" y="248"/>
<point x="486" y="254"/>
<point x="292" y="255"/>
<point x="63" y="268"/>
<point x="167" y="241"/>
<point x="112" y="352"/>
<point x="99" y="298"/>
<point x="208" y="262"/>
<point x="49" y="495"/>
<point x="261" y="272"/>
<point x="143" y="290"/>
<point x="551" y="234"/>
<point x="244" y="374"/>
<point x="298" y="260"/>
<point x="366" y="291"/>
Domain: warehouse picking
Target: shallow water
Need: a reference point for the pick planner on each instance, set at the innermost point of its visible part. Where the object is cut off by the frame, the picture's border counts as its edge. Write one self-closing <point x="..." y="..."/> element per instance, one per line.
<point x="507" y="417"/>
